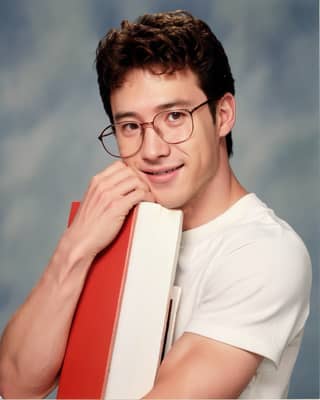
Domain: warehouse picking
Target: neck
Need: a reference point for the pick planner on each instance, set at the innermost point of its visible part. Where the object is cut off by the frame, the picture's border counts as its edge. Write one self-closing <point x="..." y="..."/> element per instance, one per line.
<point x="221" y="192"/>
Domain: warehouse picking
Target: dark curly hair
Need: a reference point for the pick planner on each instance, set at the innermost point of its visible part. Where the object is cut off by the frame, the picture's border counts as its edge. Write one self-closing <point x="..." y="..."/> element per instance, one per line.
<point x="164" y="43"/>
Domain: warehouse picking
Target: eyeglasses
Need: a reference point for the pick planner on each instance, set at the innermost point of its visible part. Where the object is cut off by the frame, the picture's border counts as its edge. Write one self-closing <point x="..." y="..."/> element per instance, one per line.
<point x="124" y="139"/>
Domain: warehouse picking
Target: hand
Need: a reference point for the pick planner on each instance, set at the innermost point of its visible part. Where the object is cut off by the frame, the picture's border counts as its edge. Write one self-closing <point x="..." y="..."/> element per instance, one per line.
<point x="109" y="198"/>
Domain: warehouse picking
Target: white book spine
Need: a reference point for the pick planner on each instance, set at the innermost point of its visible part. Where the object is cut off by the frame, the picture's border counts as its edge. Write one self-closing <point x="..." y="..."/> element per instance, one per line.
<point x="141" y="325"/>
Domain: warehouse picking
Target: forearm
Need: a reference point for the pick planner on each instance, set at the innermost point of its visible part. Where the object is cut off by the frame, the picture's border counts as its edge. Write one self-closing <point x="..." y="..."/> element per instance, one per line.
<point x="33" y="343"/>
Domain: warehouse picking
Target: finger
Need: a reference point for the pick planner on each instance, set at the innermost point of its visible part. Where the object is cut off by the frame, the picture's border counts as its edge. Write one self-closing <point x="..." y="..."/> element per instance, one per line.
<point x="141" y="176"/>
<point x="107" y="172"/>
<point x="103" y="181"/>
<point x="112" y="168"/>
<point x="123" y="189"/>
<point x="117" y="177"/>
<point x="108" y="192"/>
<point x="123" y="205"/>
<point x="114" y="187"/>
<point x="129" y="184"/>
<point x="110" y="178"/>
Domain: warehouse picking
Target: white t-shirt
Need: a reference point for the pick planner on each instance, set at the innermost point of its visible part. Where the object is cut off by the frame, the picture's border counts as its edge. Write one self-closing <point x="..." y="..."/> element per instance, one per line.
<point x="245" y="279"/>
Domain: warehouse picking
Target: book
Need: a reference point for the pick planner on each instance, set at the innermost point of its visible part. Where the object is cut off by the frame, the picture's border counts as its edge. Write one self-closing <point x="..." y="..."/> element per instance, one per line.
<point x="124" y="321"/>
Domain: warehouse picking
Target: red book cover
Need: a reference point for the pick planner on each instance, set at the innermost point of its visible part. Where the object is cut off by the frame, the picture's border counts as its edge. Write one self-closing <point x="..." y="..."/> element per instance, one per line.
<point x="90" y="343"/>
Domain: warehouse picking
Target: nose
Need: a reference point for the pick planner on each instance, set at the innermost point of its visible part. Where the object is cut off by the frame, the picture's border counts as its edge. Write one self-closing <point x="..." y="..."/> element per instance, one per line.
<point x="153" y="145"/>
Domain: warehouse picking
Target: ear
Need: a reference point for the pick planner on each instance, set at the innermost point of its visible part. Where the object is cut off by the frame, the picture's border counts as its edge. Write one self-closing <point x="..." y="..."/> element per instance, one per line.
<point x="225" y="114"/>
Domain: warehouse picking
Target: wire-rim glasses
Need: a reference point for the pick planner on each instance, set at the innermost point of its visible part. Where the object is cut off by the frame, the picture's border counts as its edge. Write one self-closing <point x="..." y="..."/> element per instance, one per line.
<point x="124" y="139"/>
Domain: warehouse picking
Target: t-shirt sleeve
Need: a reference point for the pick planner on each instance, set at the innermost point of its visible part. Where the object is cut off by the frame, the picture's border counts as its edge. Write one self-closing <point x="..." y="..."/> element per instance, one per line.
<point x="257" y="296"/>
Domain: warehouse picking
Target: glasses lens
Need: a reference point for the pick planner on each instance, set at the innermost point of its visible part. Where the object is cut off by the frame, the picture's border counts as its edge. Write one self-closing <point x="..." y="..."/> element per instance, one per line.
<point x="119" y="145"/>
<point x="109" y="143"/>
<point x="174" y="126"/>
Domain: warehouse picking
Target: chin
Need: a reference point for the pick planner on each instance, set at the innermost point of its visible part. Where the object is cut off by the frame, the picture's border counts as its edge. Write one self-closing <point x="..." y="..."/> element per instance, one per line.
<point x="171" y="203"/>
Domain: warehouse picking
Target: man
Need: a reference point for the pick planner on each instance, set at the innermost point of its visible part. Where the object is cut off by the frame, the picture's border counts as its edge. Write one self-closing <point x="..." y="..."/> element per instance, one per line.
<point x="167" y="87"/>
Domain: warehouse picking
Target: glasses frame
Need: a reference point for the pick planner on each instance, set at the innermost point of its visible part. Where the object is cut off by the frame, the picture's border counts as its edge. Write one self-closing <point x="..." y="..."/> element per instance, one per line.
<point x="151" y="123"/>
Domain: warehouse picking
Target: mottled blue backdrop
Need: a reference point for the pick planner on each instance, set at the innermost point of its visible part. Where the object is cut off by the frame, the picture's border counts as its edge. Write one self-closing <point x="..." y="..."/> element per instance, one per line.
<point x="50" y="115"/>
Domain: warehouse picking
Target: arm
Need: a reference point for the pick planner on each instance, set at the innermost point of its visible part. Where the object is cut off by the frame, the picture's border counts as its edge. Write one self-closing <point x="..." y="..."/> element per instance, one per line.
<point x="252" y="308"/>
<point x="33" y="344"/>
<point x="198" y="367"/>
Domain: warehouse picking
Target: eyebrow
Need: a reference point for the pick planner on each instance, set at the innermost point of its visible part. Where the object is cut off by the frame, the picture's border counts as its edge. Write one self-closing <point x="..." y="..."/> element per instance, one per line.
<point x="160" y="107"/>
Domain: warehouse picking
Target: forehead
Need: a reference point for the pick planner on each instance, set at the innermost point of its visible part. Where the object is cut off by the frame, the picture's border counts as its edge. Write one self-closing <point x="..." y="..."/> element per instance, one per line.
<point x="145" y="88"/>
<point x="156" y="73"/>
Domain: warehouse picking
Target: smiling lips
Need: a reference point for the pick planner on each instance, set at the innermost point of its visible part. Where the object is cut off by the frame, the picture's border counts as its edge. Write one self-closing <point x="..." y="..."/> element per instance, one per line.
<point x="163" y="175"/>
<point x="163" y="171"/>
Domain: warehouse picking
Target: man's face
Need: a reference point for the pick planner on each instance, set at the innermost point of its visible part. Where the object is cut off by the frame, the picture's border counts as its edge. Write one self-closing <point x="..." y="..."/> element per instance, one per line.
<point x="178" y="174"/>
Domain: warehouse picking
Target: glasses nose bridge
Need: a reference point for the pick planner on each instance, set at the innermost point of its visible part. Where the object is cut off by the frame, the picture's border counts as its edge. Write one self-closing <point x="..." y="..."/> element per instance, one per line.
<point x="149" y="124"/>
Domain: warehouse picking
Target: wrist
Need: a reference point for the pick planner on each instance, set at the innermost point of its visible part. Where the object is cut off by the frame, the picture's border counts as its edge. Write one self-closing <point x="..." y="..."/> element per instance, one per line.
<point x="75" y="252"/>
<point x="70" y="260"/>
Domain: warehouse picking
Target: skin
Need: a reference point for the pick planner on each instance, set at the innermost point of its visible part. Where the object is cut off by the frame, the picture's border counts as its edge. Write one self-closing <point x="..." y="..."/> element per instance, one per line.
<point x="203" y="186"/>
<point x="109" y="197"/>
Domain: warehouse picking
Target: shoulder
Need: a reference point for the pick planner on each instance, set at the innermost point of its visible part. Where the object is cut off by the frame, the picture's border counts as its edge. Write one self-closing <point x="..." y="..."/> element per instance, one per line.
<point x="266" y="251"/>
<point x="264" y="242"/>
<point x="256" y="285"/>
<point x="250" y="245"/>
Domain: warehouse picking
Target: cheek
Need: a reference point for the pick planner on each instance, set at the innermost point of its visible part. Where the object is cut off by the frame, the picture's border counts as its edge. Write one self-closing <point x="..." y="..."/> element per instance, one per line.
<point x="206" y="165"/>
<point x="205" y="149"/>
<point x="207" y="160"/>
<point x="133" y="164"/>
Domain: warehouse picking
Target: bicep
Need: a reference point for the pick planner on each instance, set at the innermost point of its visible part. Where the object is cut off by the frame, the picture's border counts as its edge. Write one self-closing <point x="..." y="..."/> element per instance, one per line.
<point x="200" y="367"/>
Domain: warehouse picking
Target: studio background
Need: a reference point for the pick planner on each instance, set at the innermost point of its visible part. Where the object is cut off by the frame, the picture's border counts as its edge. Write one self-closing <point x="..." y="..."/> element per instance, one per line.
<point x="51" y="114"/>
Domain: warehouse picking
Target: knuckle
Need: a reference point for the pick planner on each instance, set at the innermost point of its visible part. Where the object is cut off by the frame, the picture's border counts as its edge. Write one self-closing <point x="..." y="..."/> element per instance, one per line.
<point x="100" y="189"/>
<point x="112" y="207"/>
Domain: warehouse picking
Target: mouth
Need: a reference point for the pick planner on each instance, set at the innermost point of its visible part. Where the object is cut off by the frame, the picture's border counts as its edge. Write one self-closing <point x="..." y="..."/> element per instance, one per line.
<point x="163" y="171"/>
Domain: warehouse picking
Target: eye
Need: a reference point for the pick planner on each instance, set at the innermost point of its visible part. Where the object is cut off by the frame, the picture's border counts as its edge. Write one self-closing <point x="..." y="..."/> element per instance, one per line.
<point x="174" y="116"/>
<point x="128" y="128"/>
